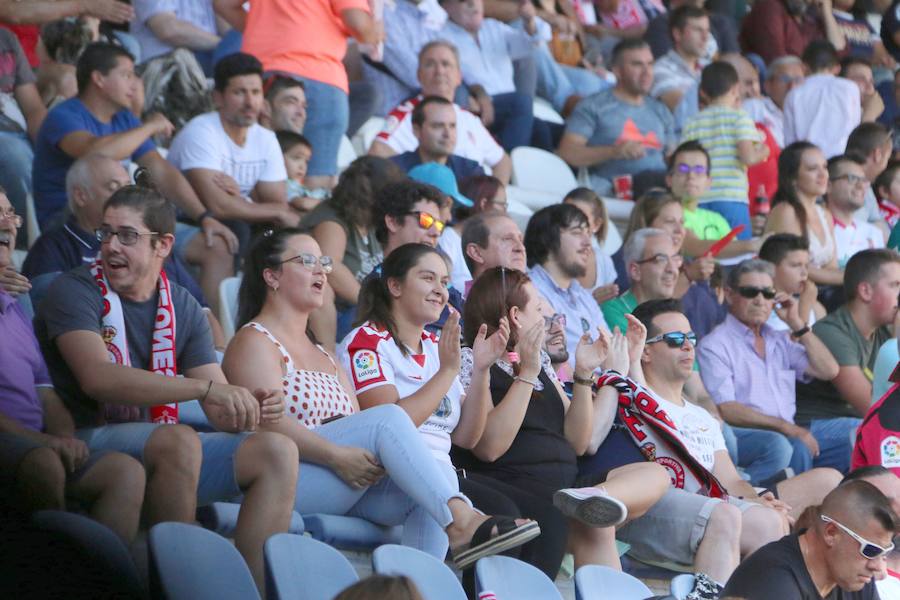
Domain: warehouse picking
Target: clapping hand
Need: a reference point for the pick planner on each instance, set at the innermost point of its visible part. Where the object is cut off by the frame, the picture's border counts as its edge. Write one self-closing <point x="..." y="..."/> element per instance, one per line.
<point x="636" y="334"/>
<point x="449" y="353"/>
<point x="589" y="356"/>
<point x="529" y="348"/>
<point x="617" y="358"/>
<point x="487" y="350"/>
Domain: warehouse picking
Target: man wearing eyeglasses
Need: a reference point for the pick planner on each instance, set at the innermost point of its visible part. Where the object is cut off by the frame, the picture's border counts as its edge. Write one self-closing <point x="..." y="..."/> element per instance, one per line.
<point x="783" y="75"/>
<point x="750" y="369"/>
<point x="837" y="557"/>
<point x="847" y="184"/>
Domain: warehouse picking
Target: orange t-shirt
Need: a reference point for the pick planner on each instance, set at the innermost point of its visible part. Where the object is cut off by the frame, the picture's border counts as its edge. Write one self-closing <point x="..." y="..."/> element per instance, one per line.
<point x="301" y="37"/>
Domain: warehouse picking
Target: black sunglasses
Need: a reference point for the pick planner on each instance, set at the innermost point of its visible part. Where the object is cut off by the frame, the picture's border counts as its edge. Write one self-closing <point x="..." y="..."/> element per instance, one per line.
<point x="750" y="292"/>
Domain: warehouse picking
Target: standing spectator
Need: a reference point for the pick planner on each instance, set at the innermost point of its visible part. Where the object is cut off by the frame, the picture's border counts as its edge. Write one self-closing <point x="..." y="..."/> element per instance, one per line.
<point x="308" y="41"/>
<point x="621" y="133"/>
<point x="160" y="27"/>
<point x="285" y="105"/>
<point x="790" y="255"/>
<point x="439" y="75"/>
<point x="859" y="71"/>
<point x="679" y="69"/>
<point x="776" y="28"/>
<point x="862" y="40"/>
<point x="722" y="28"/>
<point x="783" y="75"/>
<point x="824" y="109"/>
<point x="853" y="334"/>
<point x="847" y="185"/>
<point x="558" y="247"/>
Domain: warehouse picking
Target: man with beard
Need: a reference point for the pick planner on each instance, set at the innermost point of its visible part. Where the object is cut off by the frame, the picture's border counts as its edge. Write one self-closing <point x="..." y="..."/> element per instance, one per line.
<point x="776" y="28"/>
<point x="558" y="247"/>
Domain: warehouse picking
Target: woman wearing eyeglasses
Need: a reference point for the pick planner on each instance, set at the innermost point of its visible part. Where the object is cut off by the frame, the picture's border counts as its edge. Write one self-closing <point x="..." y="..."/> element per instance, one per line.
<point x="534" y="432"/>
<point x="371" y="464"/>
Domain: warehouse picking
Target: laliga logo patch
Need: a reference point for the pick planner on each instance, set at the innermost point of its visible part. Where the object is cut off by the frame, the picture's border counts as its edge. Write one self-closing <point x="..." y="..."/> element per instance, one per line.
<point x="890" y="451"/>
<point x="365" y="366"/>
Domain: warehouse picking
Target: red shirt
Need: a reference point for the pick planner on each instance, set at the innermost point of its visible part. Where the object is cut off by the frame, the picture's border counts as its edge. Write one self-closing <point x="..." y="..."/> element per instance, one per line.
<point x="765" y="173"/>
<point x="771" y="32"/>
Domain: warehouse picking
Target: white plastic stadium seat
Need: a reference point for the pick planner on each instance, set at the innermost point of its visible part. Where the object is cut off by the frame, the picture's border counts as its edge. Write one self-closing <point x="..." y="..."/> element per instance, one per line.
<point x="542" y="171"/>
<point x="31" y="222"/>
<point x="228" y="304"/>
<point x="544" y="111"/>
<point x="365" y="135"/>
<point x="346" y="153"/>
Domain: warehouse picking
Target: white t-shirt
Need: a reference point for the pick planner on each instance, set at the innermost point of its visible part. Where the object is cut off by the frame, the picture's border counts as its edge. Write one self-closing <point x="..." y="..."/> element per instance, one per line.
<point x="854" y="237"/>
<point x="473" y="141"/>
<point x="778" y="325"/>
<point x="451" y="244"/>
<point x="372" y="359"/>
<point x="889" y="587"/>
<point x="203" y="144"/>
<point x="700" y="433"/>
<point x="606" y="270"/>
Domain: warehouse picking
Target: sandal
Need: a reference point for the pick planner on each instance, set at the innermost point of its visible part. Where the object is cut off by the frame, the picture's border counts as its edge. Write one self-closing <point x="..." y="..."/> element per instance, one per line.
<point x="483" y="543"/>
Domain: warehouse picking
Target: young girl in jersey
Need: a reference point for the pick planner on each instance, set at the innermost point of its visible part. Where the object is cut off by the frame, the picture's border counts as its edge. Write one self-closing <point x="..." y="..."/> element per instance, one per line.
<point x="370" y="464"/>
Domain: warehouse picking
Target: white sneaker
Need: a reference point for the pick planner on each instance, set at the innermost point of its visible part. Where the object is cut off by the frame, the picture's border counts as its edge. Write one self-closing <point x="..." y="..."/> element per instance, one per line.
<point x="590" y="505"/>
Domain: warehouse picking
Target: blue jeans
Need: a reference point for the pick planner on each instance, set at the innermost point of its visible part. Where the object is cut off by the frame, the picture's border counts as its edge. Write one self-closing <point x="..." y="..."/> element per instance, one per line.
<point x="557" y="82"/>
<point x="513" y="120"/>
<point x="762" y="453"/>
<point x="835" y="437"/>
<point x="15" y="173"/>
<point x="736" y="213"/>
<point x="414" y="492"/>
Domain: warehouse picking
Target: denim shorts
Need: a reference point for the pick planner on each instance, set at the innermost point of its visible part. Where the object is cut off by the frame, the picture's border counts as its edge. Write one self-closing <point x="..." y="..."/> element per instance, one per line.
<point x="14" y="448"/>
<point x="184" y="233"/>
<point x="218" y="480"/>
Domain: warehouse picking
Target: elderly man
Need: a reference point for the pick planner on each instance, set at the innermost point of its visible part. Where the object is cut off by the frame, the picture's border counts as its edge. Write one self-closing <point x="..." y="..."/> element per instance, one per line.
<point x="439" y="75"/>
<point x="492" y="240"/>
<point x="783" y="75"/>
<point x="838" y="556"/>
<point x="750" y="369"/>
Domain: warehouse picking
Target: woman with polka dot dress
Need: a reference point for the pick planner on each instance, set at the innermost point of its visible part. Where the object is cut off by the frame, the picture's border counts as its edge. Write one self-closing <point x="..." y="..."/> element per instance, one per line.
<point x="371" y="464"/>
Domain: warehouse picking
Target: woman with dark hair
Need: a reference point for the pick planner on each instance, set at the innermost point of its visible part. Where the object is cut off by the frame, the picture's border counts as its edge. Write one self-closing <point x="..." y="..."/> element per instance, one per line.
<point x="534" y="432"/>
<point x="802" y="180"/>
<point x="371" y="464"/>
<point x="342" y="225"/>
<point x="379" y="587"/>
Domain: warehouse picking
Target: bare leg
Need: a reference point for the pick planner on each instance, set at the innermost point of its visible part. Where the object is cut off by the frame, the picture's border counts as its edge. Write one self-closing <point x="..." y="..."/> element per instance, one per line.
<point x="639" y="486"/>
<point x="266" y="465"/>
<point x="761" y="526"/>
<point x="172" y="458"/>
<point x="40" y="481"/>
<point x="593" y="545"/>
<point x="114" y="488"/>
<point x="215" y="264"/>
<point x="808" y="489"/>
<point x="719" y="550"/>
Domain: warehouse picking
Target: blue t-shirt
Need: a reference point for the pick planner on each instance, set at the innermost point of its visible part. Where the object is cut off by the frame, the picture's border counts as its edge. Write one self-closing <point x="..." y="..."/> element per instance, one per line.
<point x="51" y="163"/>
<point x="461" y="167"/>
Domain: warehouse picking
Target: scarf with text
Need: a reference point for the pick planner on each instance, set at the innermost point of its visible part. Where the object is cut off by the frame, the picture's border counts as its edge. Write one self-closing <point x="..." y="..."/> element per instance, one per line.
<point x="650" y="426"/>
<point x="162" y="356"/>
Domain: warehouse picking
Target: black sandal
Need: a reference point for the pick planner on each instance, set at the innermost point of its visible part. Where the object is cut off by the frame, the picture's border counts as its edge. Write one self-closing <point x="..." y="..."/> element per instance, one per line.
<point x="509" y="535"/>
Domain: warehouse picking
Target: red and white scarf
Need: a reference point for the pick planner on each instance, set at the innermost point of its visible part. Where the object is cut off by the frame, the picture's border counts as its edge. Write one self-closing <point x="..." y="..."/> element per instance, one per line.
<point x="650" y="427"/>
<point x="162" y="356"/>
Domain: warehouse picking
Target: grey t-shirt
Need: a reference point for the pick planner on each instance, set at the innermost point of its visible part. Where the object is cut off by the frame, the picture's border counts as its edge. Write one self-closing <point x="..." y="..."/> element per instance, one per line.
<point x="74" y="303"/>
<point x="603" y="120"/>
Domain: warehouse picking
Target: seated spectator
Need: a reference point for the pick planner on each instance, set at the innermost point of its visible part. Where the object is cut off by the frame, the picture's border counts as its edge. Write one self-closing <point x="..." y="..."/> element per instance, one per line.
<point x="308" y="43"/>
<point x="600" y="278"/>
<point x="439" y="75"/>
<point x="824" y="109"/>
<point x="722" y="40"/>
<point x="872" y="142"/>
<point x="875" y="438"/>
<point x="853" y="334"/>
<point x="622" y="20"/>
<point x="297" y="151"/>
<point x="789" y="254"/>
<point x="782" y="75"/>
<point x="890" y="30"/>
<point x="862" y="39"/>
<point x="732" y="141"/>
<point x="43" y="463"/>
<point x="558" y="250"/>
<point x="434" y="127"/>
<point x="343" y="228"/>
<point x="492" y="240"/>
<point x="285" y="106"/>
<point x="750" y="369"/>
<point x="487" y="193"/>
<point x="97" y="121"/>
<point x="373" y="464"/>
<point x="828" y="559"/>
<point x="488" y="48"/>
<point x="535" y="431"/>
<point x="859" y="71"/>
<point x="679" y="69"/>
<point x="21" y="116"/>
<point x="374" y="587"/>
<point x="160" y="27"/>
<point x="711" y="516"/>
<point x="105" y="386"/>
<point x="776" y="28"/>
<point x="802" y="180"/>
<point x="847" y="186"/>
<point x="621" y="133"/>
<point x="887" y="190"/>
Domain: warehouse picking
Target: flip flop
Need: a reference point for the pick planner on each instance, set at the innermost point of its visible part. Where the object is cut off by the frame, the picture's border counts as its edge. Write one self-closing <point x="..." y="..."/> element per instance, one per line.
<point x="509" y="535"/>
<point x="590" y="505"/>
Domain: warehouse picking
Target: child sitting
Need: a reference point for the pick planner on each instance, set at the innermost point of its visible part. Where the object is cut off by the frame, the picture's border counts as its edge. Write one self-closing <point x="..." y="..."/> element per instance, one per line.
<point x="731" y="138"/>
<point x="297" y="151"/>
<point x="887" y="190"/>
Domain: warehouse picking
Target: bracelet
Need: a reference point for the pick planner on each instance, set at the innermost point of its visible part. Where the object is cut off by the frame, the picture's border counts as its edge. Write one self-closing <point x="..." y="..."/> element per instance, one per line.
<point x="531" y="382"/>
<point x="209" y="387"/>
<point x="800" y="332"/>
<point x="589" y="381"/>
<point x="203" y="215"/>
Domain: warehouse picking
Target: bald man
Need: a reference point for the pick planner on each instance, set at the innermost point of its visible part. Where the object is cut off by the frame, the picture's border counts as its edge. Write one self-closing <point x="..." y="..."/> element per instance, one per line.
<point x="837" y="557"/>
<point x="748" y="76"/>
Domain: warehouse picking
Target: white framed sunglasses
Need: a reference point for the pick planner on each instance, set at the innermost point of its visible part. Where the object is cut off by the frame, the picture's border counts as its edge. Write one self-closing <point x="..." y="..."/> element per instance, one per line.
<point x="869" y="550"/>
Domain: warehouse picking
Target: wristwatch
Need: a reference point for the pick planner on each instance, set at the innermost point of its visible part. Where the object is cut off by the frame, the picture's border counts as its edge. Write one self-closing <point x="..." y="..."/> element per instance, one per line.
<point x="800" y="332"/>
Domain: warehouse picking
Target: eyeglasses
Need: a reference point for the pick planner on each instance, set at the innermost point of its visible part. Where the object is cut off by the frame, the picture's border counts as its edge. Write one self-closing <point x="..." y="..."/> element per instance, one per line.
<point x="788" y="79"/>
<point x="127" y="237"/>
<point x="852" y="179"/>
<point x="310" y="261"/>
<point x="11" y="216"/>
<point x="557" y="318"/>
<point x="686" y="169"/>
<point x="660" y="260"/>
<point x="750" y="292"/>
<point x="428" y="220"/>
<point x="869" y="550"/>
<point x="674" y="339"/>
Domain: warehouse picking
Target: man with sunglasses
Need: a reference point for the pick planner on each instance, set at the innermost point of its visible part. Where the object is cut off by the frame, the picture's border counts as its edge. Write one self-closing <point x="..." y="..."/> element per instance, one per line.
<point x="750" y="369"/>
<point x="837" y="557"/>
<point x="115" y="333"/>
<point x="846" y="195"/>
